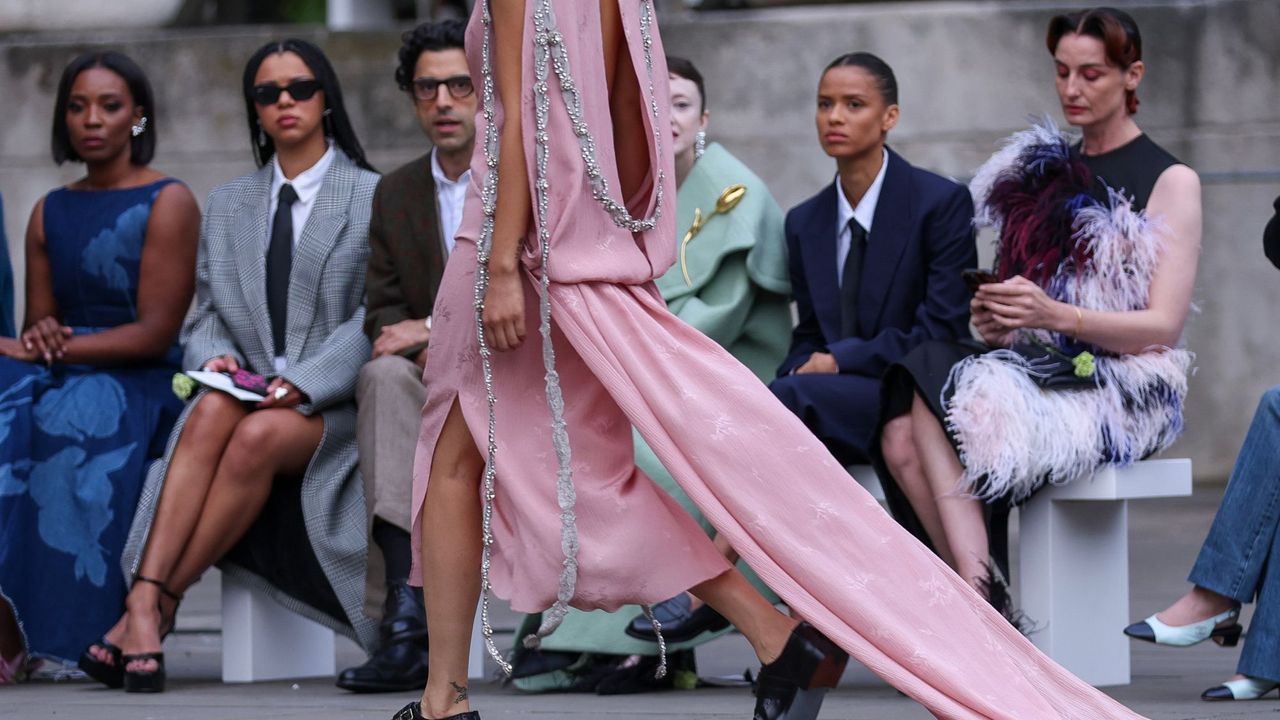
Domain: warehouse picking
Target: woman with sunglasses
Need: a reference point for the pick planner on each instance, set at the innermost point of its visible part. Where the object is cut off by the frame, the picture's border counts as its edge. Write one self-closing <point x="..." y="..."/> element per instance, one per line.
<point x="280" y="289"/>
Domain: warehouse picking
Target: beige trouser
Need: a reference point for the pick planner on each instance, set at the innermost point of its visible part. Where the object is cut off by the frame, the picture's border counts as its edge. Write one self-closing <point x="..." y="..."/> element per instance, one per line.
<point x="389" y="395"/>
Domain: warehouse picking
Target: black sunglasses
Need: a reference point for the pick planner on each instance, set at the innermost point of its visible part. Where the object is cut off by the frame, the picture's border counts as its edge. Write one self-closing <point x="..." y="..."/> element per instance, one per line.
<point x="425" y="88"/>
<point x="299" y="90"/>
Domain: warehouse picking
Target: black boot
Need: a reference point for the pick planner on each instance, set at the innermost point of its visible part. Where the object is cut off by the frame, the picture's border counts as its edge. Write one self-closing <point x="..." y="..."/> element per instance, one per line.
<point x="792" y="686"/>
<point x="400" y="663"/>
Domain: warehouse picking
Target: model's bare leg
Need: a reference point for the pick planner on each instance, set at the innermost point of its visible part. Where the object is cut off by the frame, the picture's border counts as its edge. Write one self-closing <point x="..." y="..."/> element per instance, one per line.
<point x="265" y="443"/>
<point x="450" y="553"/>
<point x="205" y="435"/>
<point x="898" y="445"/>
<point x="732" y="596"/>
<point x="729" y="554"/>
<point x="961" y="515"/>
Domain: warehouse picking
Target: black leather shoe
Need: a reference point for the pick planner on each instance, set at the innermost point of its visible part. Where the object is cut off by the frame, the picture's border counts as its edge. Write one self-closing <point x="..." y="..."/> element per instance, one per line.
<point x="413" y="711"/>
<point x="400" y="662"/>
<point x="792" y="686"/>
<point x="679" y="622"/>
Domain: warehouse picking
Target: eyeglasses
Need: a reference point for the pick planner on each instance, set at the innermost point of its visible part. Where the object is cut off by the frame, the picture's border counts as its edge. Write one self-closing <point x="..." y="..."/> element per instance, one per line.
<point x="299" y="90"/>
<point x="425" y="88"/>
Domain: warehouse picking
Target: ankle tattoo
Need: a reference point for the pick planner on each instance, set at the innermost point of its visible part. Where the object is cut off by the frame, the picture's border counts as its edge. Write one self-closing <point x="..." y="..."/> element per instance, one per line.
<point x="460" y="692"/>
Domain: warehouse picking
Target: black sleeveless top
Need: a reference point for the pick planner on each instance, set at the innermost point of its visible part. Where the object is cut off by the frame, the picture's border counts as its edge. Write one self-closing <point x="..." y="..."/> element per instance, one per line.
<point x="1132" y="168"/>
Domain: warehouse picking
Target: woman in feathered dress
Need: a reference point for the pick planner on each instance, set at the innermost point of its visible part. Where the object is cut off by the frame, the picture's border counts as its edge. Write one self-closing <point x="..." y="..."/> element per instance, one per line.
<point x="1097" y="243"/>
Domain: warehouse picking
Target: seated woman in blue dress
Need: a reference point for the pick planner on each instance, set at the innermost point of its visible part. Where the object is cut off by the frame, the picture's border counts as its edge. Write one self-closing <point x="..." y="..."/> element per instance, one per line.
<point x="270" y="489"/>
<point x="85" y="398"/>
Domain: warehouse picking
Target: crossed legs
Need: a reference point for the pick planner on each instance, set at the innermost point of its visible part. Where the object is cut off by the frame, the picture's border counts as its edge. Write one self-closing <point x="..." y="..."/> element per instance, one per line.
<point x="926" y="467"/>
<point x="219" y="478"/>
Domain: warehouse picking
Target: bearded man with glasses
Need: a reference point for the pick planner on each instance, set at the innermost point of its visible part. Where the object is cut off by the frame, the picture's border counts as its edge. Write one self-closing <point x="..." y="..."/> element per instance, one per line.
<point x="416" y="211"/>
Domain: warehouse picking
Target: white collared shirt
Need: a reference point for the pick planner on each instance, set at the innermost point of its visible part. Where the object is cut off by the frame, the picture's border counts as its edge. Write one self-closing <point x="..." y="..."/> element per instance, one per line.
<point x="864" y="213"/>
<point x="450" y="196"/>
<point x="306" y="185"/>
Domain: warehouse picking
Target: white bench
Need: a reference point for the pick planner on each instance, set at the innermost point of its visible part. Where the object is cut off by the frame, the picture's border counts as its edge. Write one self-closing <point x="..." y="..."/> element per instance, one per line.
<point x="1074" y="564"/>
<point x="1073" y="550"/>
<point x="262" y="640"/>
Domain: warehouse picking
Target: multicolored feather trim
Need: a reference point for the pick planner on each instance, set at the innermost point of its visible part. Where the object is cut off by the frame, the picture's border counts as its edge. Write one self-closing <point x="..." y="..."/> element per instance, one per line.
<point x="1013" y="435"/>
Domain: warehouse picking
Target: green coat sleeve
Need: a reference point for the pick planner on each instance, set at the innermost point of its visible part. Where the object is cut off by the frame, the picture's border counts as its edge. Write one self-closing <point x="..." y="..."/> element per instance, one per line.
<point x="722" y="305"/>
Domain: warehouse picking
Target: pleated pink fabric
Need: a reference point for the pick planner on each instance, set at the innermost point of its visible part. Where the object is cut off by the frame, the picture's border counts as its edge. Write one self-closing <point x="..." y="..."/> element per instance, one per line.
<point x="811" y="532"/>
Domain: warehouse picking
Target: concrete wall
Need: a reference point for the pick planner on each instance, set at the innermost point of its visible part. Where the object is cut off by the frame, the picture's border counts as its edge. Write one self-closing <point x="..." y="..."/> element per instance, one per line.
<point x="969" y="72"/>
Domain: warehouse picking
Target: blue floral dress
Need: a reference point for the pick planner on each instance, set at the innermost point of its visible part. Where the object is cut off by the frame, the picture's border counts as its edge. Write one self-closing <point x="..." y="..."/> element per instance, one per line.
<point x="75" y="440"/>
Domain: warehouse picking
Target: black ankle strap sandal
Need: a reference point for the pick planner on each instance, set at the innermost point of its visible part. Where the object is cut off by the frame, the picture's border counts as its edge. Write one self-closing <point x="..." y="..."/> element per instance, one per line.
<point x="413" y="711"/>
<point x="164" y="589"/>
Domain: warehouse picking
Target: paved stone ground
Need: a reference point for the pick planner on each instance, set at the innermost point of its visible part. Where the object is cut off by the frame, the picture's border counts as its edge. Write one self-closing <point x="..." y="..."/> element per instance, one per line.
<point x="1165" y="535"/>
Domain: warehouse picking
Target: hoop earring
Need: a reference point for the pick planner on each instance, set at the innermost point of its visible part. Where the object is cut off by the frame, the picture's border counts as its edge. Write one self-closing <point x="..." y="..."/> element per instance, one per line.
<point x="699" y="144"/>
<point x="139" y="127"/>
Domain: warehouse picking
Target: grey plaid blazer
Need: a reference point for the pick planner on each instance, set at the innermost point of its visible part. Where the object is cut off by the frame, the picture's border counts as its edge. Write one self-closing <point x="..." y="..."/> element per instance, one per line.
<point x="325" y="347"/>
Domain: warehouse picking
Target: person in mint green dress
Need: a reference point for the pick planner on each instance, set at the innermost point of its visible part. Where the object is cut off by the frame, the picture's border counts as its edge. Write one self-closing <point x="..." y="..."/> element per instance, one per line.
<point x="731" y="283"/>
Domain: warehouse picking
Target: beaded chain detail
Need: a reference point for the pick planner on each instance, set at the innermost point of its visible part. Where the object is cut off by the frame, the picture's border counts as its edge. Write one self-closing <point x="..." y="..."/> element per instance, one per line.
<point x="548" y="43"/>
<point x="484" y="248"/>
<point x="548" y="52"/>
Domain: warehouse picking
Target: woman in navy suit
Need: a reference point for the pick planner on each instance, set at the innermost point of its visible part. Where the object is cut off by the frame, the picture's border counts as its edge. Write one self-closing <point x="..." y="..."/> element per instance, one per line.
<point x="864" y="302"/>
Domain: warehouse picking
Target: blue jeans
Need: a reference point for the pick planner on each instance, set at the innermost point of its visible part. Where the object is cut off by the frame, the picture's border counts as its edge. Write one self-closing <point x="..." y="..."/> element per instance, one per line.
<point x="1241" y="556"/>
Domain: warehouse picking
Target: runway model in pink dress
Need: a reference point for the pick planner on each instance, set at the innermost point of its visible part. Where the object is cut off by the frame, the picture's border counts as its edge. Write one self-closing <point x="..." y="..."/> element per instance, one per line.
<point x="567" y="517"/>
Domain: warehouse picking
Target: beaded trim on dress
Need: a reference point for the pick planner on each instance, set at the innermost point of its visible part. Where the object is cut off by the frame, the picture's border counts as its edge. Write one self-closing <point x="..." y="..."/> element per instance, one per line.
<point x="549" y="53"/>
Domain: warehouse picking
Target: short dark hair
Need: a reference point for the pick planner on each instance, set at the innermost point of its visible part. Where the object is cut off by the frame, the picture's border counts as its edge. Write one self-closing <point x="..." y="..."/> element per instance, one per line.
<point x="1115" y="28"/>
<point x="337" y="124"/>
<point x="682" y="67"/>
<point x="433" y="37"/>
<point x="886" y="83"/>
<point x="141" y="147"/>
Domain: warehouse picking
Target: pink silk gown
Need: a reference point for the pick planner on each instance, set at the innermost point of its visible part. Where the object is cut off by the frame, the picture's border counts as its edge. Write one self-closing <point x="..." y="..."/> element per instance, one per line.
<point x="762" y="479"/>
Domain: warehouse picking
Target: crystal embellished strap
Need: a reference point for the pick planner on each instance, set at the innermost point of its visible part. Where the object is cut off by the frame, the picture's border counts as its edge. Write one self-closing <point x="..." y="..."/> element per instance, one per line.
<point x="488" y="201"/>
<point x="549" y="48"/>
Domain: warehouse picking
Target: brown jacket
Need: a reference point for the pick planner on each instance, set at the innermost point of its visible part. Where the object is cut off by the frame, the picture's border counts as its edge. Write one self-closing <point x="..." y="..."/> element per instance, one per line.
<point x="406" y="256"/>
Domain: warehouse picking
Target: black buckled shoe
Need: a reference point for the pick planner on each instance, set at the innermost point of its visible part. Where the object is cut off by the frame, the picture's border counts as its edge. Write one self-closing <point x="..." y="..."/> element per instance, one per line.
<point x="413" y="711"/>
<point x="679" y="622"/>
<point x="792" y="686"/>
<point x="400" y="662"/>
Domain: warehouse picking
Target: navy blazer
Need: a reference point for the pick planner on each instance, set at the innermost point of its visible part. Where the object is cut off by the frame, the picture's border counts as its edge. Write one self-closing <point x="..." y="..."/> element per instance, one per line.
<point x="921" y="239"/>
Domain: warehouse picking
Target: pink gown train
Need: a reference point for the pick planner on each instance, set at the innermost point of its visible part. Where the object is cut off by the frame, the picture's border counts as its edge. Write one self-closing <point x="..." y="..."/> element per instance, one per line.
<point x="762" y="479"/>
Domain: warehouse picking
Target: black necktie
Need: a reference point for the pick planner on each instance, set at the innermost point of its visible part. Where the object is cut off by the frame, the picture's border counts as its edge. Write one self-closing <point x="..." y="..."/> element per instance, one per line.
<point x="850" y="277"/>
<point x="279" y="263"/>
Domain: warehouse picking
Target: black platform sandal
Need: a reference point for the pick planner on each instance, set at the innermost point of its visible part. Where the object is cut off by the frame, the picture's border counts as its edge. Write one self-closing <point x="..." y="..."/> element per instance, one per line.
<point x="792" y="687"/>
<point x="413" y="711"/>
<point x="150" y="681"/>
<point x="144" y="681"/>
<point x="110" y="674"/>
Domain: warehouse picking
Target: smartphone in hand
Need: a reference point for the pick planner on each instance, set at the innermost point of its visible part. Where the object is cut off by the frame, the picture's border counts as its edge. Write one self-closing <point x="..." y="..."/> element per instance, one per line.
<point x="973" y="277"/>
<point x="251" y="381"/>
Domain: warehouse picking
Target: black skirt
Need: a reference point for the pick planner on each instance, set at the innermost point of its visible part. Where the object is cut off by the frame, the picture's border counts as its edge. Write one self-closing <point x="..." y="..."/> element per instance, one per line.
<point x="924" y="371"/>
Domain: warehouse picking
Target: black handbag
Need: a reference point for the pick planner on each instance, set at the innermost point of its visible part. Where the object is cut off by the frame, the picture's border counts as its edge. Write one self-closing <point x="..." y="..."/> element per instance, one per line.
<point x="1052" y="369"/>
